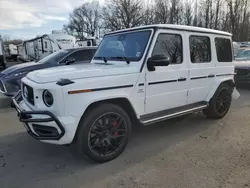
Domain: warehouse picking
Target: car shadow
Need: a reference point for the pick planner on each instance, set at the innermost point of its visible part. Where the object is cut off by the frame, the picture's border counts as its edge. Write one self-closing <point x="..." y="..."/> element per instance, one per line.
<point x="25" y="161"/>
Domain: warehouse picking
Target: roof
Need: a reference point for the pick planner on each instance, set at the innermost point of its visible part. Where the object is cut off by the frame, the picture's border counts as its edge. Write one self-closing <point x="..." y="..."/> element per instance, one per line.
<point x="176" y="27"/>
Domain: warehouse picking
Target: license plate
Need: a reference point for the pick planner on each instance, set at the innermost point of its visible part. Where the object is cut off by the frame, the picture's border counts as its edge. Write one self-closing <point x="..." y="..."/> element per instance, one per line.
<point x="235" y="94"/>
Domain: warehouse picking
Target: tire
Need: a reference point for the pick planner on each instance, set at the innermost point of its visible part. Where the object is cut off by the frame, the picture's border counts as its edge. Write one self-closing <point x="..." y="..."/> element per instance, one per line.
<point x="96" y="133"/>
<point x="220" y="102"/>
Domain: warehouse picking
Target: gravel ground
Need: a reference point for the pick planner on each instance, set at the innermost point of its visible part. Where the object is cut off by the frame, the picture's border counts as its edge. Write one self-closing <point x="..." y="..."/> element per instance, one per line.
<point x="189" y="152"/>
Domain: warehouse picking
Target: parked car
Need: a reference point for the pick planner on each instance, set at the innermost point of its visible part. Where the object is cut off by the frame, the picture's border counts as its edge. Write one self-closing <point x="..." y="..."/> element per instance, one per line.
<point x="242" y="67"/>
<point x="146" y="74"/>
<point x="237" y="51"/>
<point x="10" y="78"/>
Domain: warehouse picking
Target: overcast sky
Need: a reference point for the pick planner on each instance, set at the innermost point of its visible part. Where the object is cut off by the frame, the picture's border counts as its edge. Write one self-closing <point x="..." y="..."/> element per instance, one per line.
<point x="26" y="19"/>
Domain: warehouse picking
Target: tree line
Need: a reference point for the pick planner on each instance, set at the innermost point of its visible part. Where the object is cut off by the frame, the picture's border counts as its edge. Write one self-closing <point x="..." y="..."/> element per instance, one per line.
<point x="228" y="15"/>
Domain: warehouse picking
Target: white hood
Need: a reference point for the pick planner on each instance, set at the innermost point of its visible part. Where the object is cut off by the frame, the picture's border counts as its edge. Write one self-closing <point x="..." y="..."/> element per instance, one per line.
<point x="80" y="71"/>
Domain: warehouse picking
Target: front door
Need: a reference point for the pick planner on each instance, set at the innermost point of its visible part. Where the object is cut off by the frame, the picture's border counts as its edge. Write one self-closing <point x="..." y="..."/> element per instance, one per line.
<point x="166" y="86"/>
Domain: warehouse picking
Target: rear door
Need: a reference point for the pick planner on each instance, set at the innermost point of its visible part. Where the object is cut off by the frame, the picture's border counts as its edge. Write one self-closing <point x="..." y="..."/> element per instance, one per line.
<point x="202" y="68"/>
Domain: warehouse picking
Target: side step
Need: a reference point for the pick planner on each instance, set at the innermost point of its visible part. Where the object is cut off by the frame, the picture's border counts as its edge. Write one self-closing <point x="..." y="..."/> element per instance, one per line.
<point x="172" y="113"/>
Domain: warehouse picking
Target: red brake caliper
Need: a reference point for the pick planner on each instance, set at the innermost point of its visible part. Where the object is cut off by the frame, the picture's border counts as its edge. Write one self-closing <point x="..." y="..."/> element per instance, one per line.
<point x="115" y="125"/>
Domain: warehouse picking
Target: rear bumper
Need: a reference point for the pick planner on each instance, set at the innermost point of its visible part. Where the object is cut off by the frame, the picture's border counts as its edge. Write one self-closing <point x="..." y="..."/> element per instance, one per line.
<point x="44" y="125"/>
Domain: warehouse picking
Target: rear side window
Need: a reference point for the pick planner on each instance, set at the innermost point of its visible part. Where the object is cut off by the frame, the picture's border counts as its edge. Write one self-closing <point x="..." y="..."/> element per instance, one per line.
<point x="200" y="49"/>
<point x="223" y="50"/>
<point x="169" y="45"/>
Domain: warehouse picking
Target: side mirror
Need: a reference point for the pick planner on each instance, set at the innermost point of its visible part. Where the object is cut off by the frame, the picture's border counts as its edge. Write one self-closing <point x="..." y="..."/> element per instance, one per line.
<point x="69" y="60"/>
<point x="157" y="60"/>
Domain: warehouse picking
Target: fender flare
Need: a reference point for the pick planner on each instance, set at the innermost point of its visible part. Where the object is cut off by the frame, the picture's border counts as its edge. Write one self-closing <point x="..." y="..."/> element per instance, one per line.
<point x="217" y="83"/>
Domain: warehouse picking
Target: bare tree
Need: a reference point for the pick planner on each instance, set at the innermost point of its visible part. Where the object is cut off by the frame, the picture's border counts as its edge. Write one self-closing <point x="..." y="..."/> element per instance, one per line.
<point x="228" y="15"/>
<point x="120" y="14"/>
<point x="188" y="13"/>
<point x="84" y="20"/>
<point x="149" y="13"/>
<point x="162" y="11"/>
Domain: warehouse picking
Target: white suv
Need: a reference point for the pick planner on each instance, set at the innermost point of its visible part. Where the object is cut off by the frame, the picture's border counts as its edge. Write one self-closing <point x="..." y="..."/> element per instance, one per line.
<point x="145" y="74"/>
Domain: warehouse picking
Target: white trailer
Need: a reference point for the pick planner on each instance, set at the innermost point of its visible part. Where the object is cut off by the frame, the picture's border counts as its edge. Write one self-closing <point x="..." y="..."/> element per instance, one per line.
<point x="90" y="41"/>
<point x="2" y="55"/>
<point x="41" y="46"/>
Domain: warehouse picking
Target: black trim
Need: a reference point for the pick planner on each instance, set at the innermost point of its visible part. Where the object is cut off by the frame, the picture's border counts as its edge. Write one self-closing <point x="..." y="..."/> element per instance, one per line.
<point x="171" y="111"/>
<point x="115" y="87"/>
<point x="211" y="76"/>
<point x="199" y="77"/>
<point x="162" y="82"/>
<point x="167" y="28"/>
<point x="146" y="54"/>
<point x="141" y="84"/>
<point x="182" y="79"/>
<point x="98" y="89"/>
<point x="225" y="74"/>
<point x="64" y="82"/>
<point x="26" y="117"/>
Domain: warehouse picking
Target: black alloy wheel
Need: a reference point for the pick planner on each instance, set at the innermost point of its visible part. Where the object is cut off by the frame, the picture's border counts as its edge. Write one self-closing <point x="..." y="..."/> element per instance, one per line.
<point x="103" y="132"/>
<point x="107" y="134"/>
<point x="223" y="102"/>
<point x="220" y="102"/>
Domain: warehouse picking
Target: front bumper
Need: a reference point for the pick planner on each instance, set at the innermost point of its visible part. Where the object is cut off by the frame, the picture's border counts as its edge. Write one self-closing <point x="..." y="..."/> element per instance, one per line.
<point x="34" y="121"/>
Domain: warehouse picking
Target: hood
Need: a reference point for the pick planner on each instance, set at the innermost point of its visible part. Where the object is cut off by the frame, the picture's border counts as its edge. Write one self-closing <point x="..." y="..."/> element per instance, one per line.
<point x="20" y="68"/>
<point x="80" y="71"/>
<point x="242" y="64"/>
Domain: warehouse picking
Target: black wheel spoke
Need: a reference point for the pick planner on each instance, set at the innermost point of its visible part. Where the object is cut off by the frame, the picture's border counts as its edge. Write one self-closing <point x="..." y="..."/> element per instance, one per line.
<point x="118" y="136"/>
<point x="222" y="102"/>
<point x="95" y="144"/>
<point x="107" y="134"/>
<point x="120" y="130"/>
<point x="96" y="132"/>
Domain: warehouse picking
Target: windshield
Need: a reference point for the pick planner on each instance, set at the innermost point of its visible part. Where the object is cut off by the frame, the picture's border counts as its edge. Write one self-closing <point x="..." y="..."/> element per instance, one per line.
<point x="54" y="57"/>
<point x="237" y="51"/>
<point x="129" y="45"/>
<point x="245" y="55"/>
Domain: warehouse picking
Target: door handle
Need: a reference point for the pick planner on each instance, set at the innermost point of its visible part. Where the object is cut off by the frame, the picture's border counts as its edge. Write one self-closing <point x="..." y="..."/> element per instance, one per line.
<point x="211" y="76"/>
<point x="181" y="79"/>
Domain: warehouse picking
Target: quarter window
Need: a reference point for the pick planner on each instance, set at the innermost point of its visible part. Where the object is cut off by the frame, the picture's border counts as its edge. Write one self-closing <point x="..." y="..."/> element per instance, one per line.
<point x="223" y="50"/>
<point x="169" y="45"/>
<point x="200" y="49"/>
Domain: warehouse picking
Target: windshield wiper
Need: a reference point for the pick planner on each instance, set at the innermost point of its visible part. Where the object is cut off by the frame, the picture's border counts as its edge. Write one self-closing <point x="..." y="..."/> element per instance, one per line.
<point x="122" y="58"/>
<point x="103" y="58"/>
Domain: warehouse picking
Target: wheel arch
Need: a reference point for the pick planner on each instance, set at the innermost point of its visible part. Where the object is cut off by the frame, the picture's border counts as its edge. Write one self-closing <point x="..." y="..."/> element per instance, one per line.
<point x="229" y="81"/>
<point x="123" y="102"/>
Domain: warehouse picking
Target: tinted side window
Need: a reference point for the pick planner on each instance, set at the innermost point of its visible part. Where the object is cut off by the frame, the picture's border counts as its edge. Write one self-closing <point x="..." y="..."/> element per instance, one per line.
<point x="81" y="55"/>
<point x="200" y="49"/>
<point x="169" y="45"/>
<point x="223" y="50"/>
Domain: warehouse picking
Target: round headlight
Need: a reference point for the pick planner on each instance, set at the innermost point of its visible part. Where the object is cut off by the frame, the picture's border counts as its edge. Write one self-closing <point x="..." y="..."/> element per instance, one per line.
<point x="48" y="98"/>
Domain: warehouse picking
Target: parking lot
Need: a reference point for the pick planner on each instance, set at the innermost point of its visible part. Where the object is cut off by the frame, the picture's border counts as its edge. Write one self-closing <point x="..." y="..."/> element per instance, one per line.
<point x="185" y="152"/>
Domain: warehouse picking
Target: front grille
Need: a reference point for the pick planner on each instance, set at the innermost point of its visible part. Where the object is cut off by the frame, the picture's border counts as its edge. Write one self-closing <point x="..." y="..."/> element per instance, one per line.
<point x="242" y="72"/>
<point x="28" y="93"/>
<point x="2" y="88"/>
